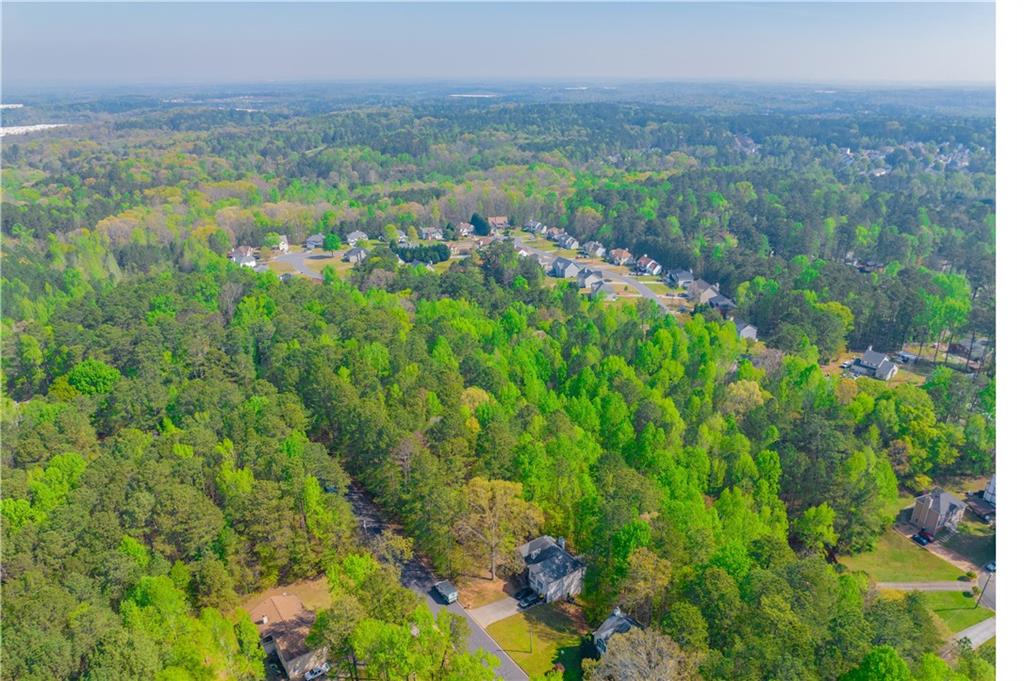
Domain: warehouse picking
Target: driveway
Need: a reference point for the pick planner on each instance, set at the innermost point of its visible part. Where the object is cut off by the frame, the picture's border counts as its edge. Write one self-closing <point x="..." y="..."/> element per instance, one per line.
<point x="492" y="612"/>
<point x="979" y="633"/>
<point x="297" y="259"/>
<point x="418" y="577"/>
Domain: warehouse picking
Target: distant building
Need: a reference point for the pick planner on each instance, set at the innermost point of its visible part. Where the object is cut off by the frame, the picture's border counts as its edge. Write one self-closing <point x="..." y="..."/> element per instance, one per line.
<point x="937" y="510"/>
<point x="875" y="364"/>
<point x="723" y="304"/>
<point x="244" y="256"/>
<point x="464" y="229"/>
<point x="701" y="292"/>
<point x="551" y="571"/>
<point x="646" y="265"/>
<point x="498" y="221"/>
<point x="990" y="491"/>
<point x="563" y="268"/>
<point x="616" y="623"/>
<point x="679" y="278"/>
<point x="620" y="256"/>
<point x="568" y="241"/>
<point x="431" y="234"/>
<point x="594" y="249"/>
<point x="314" y="241"/>
<point x="282" y="243"/>
<point x="555" y="233"/>
<point x="355" y="237"/>
<point x="603" y="290"/>
<point x="745" y="329"/>
<point x="587" y="278"/>
<point x="284" y="624"/>
<point x="356" y="255"/>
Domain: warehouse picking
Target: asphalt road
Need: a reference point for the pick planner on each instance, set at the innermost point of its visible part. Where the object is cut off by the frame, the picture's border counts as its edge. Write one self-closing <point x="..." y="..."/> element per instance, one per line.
<point x="297" y="259"/>
<point x="418" y="577"/>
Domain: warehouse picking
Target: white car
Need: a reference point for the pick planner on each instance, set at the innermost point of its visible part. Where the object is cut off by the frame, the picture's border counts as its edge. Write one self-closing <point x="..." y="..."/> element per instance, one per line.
<point x="317" y="672"/>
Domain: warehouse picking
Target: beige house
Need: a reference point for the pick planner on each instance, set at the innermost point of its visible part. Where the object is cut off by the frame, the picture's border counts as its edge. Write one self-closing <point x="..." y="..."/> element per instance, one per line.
<point x="937" y="510"/>
<point x="551" y="571"/>
<point x="284" y="625"/>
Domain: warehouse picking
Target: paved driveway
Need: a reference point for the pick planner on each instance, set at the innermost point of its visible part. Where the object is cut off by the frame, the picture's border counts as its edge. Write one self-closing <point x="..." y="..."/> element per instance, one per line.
<point x="492" y="612"/>
<point x="979" y="633"/>
<point x="418" y="577"/>
<point x="297" y="259"/>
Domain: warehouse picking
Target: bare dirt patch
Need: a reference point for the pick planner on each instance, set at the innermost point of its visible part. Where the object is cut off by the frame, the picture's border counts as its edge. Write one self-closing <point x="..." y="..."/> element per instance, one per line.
<point x="315" y="594"/>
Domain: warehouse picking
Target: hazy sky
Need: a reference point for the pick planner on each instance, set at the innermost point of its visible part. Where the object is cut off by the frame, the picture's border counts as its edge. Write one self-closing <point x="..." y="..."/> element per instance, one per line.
<point x="48" y="44"/>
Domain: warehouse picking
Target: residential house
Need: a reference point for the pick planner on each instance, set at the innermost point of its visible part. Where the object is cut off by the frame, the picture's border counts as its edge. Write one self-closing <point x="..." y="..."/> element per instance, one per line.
<point x="284" y="624"/>
<point x="531" y="226"/>
<point x="701" y="292"/>
<point x="745" y="329"/>
<point x="603" y="290"/>
<point x="937" y="510"/>
<point x="555" y="233"/>
<point x="542" y="230"/>
<point x="563" y="268"/>
<point x="588" y="277"/>
<point x="722" y="303"/>
<point x="356" y="255"/>
<point x="990" y="491"/>
<point x="464" y="229"/>
<point x="282" y="243"/>
<point x="616" y="623"/>
<point x="620" y="256"/>
<point x="679" y="278"/>
<point x="551" y="571"/>
<point x="431" y="234"/>
<point x="594" y="249"/>
<point x="646" y="265"/>
<point x="568" y="241"/>
<point x="314" y="241"/>
<point x="875" y="364"/>
<point x="355" y="237"/>
<point x="244" y="256"/>
<point x="498" y="221"/>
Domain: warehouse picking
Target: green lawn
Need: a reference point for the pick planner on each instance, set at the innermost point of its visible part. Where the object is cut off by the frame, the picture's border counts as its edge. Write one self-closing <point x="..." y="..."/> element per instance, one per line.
<point x="897" y="559"/>
<point x="974" y="540"/>
<point x="955" y="610"/>
<point x="556" y="638"/>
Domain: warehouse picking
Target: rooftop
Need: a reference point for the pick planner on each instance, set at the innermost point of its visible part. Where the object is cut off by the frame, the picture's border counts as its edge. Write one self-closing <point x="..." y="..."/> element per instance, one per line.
<point x="287" y="621"/>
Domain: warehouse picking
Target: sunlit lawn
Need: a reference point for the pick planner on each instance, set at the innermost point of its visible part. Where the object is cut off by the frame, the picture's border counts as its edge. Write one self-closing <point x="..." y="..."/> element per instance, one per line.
<point x="897" y="559"/>
<point x="556" y="639"/>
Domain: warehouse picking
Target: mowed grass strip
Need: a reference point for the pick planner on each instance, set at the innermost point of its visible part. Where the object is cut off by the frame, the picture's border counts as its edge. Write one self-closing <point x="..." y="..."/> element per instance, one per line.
<point x="897" y="559"/>
<point x="956" y="610"/>
<point x="556" y="639"/>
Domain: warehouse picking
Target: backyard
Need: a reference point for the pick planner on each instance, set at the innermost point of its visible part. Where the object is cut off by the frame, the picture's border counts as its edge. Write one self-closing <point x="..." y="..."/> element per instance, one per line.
<point x="897" y="559"/>
<point x="543" y="636"/>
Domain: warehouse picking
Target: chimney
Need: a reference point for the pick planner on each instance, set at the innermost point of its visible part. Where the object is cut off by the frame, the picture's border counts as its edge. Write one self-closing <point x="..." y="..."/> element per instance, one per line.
<point x="561" y="543"/>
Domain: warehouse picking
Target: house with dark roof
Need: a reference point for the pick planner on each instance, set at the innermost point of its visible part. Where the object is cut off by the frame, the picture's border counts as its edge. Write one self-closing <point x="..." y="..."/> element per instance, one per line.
<point x="679" y="277"/>
<point x="937" y="510"/>
<point x="723" y="304"/>
<point x="603" y="290"/>
<point x="647" y="265"/>
<point x="356" y="255"/>
<point x="701" y="292"/>
<point x="594" y="249"/>
<point x="588" y="277"/>
<point x="563" y="268"/>
<point x="616" y="623"/>
<point x="551" y="571"/>
<point x="284" y="625"/>
<point x="568" y="241"/>
<point x="875" y="364"/>
<point x="314" y="241"/>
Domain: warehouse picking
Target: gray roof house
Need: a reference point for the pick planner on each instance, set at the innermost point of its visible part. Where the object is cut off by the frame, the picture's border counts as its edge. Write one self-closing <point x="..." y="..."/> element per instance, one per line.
<point x="551" y="571"/>
<point x="315" y="241"/>
<point x="588" y="277"/>
<point x="356" y="255"/>
<point x="568" y="241"/>
<point x="284" y="624"/>
<point x="937" y="510"/>
<point x="603" y="290"/>
<point x="355" y="237"/>
<point x="721" y="303"/>
<point x="431" y="234"/>
<point x="876" y="364"/>
<point x="679" y="277"/>
<point x="701" y="292"/>
<point x="616" y="623"/>
<point x="745" y="329"/>
<point x="564" y="268"/>
<point x="594" y="249"/>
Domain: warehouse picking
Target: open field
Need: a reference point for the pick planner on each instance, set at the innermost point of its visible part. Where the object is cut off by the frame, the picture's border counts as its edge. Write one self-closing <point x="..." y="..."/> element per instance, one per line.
<point x="542" y="637"/>
<point x="897" y="559"/>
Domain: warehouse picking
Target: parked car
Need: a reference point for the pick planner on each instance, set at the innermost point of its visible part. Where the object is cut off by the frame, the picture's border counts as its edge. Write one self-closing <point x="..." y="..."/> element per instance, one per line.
<point x="523" y="593"/>
<point x="990" y="567"/>
<point x="447" y="591"/>
<point x="529" y="601"/>
<point x="317" y="672"/>
<point x="927" y="535"/>
<point x="846" y="365"/>
<point x="923" y="541"/>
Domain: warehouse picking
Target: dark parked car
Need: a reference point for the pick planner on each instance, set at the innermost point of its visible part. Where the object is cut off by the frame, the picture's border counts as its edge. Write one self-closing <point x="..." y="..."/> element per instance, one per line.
<point x="990" y="567"/>
<point x="529" y="601"/>
<point x="523" y="593"/>
<point x="927" y="535"/>
<point x="923" y="541"/>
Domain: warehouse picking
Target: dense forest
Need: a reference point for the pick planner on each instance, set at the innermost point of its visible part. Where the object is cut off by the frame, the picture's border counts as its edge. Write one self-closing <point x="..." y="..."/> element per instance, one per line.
<point x="177" y="428"/>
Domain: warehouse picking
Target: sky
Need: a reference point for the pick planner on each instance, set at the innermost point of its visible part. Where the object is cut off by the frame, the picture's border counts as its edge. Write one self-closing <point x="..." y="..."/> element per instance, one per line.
<point x="183" y="43"/>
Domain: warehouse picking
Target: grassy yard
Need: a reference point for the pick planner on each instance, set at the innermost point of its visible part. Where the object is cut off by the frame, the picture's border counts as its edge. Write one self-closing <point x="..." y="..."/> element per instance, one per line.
<point x="974" y="540"/>
<point x="955" y="610"/>
<point x="897" y="559"/>
<point x="556" y="638"/>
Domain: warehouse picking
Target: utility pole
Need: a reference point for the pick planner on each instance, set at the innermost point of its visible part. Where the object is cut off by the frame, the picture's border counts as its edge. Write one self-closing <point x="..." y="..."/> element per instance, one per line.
<point x="978" y="602"/>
